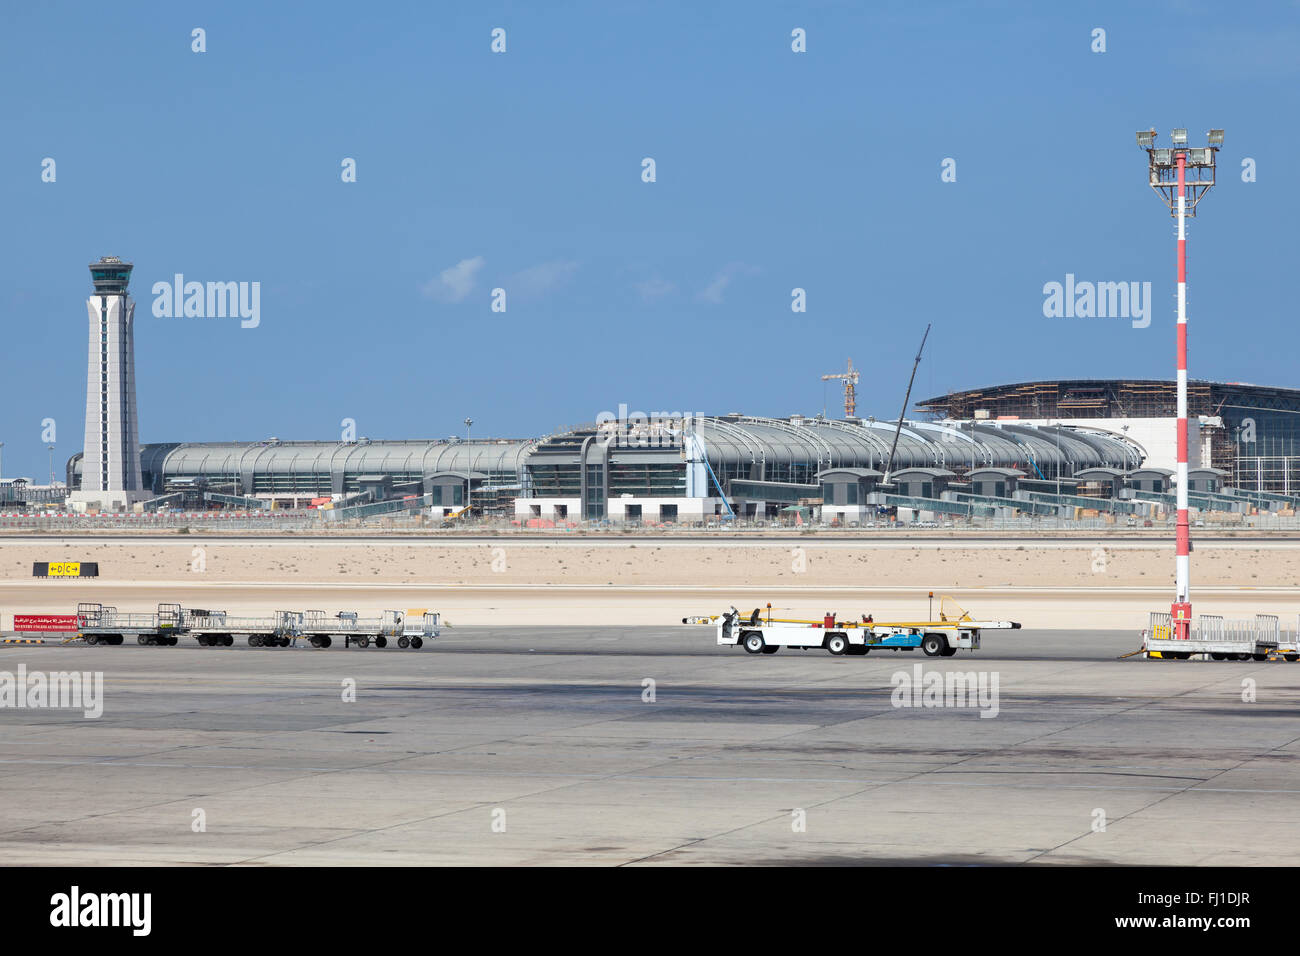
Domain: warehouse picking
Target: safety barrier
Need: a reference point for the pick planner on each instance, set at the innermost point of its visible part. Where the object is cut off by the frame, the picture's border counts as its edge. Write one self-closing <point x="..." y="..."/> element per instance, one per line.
<point x="1261" y="629"/>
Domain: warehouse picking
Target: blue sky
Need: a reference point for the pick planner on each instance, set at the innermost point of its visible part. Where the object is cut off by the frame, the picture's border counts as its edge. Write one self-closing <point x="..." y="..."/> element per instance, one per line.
<point x="476" y="170"/>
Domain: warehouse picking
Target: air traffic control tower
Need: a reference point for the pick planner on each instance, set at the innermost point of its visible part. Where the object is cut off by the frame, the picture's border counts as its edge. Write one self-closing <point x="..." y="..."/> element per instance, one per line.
<point x="110" y="478"/>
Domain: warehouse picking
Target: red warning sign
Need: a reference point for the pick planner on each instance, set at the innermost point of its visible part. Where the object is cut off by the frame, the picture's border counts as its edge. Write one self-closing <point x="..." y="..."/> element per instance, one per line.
<point x="45" y="622"/>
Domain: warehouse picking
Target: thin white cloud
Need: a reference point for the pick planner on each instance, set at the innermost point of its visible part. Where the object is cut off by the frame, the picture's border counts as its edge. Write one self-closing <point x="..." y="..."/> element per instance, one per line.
<point x="656" y="288"/>
<point x="455" y="283"/>
<point x="716" y="290"/>
<point x="542" y="278"/>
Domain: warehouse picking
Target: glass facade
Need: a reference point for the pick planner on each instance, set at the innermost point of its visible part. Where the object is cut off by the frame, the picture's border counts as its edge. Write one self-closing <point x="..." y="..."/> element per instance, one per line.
<point x="1258" y="443"/>
<point x="1263" y="447"/>
<point x="647" y="480"/>
<point x="593" y="504"/>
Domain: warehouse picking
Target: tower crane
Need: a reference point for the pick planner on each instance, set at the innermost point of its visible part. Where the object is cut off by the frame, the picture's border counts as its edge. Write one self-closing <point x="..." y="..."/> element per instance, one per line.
<point x="850" y="389"/>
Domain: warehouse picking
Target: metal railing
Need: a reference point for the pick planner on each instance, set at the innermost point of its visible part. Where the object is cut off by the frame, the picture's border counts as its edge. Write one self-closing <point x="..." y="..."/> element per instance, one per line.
<point x="1262" y="629"/>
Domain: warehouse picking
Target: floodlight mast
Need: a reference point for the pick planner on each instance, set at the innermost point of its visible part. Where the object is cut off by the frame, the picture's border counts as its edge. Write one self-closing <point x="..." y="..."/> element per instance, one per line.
<point x="1181" y="176"/>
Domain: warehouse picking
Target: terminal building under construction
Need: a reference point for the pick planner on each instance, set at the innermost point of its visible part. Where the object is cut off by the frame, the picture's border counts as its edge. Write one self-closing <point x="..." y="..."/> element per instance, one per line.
<point x="1037" y="448"/>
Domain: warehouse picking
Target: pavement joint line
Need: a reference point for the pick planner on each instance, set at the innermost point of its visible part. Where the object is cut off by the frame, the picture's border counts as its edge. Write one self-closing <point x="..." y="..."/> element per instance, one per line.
<point x="1190" y="789"/>
<point x="916" y="778"/>
<point x="479" y="805"/>
<point x="865" y="788"/>
<point x="1074" y="726"/>
<point x="788" y="757"/>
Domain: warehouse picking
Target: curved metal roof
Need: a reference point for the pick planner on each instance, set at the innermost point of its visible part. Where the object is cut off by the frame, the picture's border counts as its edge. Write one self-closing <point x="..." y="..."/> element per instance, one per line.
<point x="741" y="440"/>
<point x="734" y="441"/>
<point x="309" y="457"/>
<point x="744" y="440"/>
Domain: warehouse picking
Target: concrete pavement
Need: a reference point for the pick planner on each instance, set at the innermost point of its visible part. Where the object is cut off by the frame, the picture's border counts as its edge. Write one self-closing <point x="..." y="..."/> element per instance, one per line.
<point x="526" y="746"/>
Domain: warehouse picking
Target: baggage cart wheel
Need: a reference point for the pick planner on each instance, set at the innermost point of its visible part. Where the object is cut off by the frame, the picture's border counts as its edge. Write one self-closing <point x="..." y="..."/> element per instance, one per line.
<point x="934" y="644"/>
<point x="403" y="642"/>
<point x="753" y="642"/>
<point x="141" y="639"/>
<point x="1293" y="657"/>
<point x="1259" y="657"/>
<point x="417" y="642"/>
<point x="381" y="642"/>
<point x="315" y="641"/>
<point x="254" y="640"/>
<point x="92" y="640"/>
<point x="837" y="644"/>
<point x="363" y="642"/>
<point x="326" y="641"/>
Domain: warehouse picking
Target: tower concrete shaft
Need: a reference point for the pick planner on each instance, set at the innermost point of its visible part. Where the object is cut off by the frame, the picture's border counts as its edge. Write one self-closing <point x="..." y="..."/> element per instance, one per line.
<point x="110" y="477"/>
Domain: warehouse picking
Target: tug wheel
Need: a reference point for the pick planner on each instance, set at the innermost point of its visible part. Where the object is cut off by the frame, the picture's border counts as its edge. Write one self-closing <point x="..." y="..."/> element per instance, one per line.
<point x="753" y="642"/>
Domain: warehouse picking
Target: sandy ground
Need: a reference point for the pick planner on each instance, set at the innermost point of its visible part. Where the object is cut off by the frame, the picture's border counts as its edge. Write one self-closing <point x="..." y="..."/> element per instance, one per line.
<point x="642" y="582"/>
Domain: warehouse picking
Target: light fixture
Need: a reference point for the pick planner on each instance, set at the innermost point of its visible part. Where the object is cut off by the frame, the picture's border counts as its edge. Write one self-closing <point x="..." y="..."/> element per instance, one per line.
<point x="1146" y="137"/>
<point x="1178" y="137"/>
<point x="1215" y="137"/>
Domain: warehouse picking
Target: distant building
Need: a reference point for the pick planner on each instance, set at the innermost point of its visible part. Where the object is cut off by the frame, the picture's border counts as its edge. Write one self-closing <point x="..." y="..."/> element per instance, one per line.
<point x="1250" y="432"/>
<point x="686" y="470"/>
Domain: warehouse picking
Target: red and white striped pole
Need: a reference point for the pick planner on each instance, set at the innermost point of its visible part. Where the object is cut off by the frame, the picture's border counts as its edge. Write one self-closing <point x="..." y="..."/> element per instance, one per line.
<point x="1181" y="611"/>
